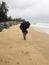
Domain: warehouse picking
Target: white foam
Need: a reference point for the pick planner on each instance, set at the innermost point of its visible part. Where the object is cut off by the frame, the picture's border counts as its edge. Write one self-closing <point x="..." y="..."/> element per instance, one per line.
<point x="41" y="27"/>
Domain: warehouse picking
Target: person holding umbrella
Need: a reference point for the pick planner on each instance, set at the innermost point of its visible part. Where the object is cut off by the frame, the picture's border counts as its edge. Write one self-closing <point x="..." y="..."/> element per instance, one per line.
<point x="24" y="26"/>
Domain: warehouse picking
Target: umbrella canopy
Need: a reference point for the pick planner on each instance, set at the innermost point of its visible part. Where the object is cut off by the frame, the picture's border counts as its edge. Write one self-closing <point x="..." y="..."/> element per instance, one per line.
<point x="24" y="25"/>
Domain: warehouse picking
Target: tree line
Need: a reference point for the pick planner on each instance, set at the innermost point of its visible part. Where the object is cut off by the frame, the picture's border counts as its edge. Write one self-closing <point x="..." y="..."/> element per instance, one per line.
<point x="3" y="14"/>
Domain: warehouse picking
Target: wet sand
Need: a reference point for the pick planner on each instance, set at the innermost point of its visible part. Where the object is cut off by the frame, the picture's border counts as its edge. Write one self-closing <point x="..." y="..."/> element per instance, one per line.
<point x="16" y="51"/>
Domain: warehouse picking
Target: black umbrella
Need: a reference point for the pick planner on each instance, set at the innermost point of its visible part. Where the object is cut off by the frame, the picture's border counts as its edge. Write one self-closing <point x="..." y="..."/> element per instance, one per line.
<point x="24" y="25"/>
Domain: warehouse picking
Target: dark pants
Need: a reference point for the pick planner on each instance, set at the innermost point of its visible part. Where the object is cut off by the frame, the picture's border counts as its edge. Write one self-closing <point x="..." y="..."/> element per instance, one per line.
<point x="24" y="34"/>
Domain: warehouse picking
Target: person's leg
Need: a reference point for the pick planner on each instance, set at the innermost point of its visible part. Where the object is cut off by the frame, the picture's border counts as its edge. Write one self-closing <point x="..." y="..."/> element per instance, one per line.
<point x="24" y="35"/>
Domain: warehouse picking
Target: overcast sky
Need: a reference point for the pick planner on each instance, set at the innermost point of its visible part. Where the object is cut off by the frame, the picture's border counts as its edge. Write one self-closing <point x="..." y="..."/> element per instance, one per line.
<point x="32" y="10"/>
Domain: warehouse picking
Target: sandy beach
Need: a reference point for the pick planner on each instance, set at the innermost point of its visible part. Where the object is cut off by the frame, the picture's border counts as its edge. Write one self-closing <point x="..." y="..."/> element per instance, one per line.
<point x="16" y="51"/>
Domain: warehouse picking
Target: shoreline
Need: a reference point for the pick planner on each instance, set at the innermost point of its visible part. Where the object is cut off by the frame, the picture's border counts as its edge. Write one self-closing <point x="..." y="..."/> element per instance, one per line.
<point x="41" y="29"/>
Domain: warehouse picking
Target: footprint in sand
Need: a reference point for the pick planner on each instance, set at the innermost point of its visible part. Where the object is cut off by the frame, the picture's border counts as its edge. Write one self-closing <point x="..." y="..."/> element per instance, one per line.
<point x="10" y="46"/>
<point x="27" y="52"/>
<point x="18" y="62"/>
<point x="30" y="59"/>
<point x="6" y="61"/>
<point x="1" y="59"/>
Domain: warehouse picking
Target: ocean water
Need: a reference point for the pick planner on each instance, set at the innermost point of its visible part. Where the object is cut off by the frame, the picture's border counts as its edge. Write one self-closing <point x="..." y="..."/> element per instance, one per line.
<point x="41" y="27"/>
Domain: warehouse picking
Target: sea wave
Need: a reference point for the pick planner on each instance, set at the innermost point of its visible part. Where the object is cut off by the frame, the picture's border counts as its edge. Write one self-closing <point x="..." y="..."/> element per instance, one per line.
<point x="41" y="27"/>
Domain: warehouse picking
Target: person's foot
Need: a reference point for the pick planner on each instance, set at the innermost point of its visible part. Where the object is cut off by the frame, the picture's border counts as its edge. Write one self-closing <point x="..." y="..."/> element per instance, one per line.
<point x="24" y="38"/>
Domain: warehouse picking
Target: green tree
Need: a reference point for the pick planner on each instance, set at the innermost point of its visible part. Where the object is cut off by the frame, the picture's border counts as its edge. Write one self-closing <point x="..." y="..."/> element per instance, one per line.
<point x="9" y="18"/>
<point x="3" y="12"/>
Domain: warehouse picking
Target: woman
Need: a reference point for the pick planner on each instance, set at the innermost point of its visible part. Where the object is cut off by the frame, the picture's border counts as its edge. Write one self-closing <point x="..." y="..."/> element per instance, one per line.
<point x="24" y="26"/>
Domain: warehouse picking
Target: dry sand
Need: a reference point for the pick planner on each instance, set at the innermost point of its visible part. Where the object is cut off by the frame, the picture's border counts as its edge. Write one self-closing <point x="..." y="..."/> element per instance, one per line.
<point x="16" y="51"/>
